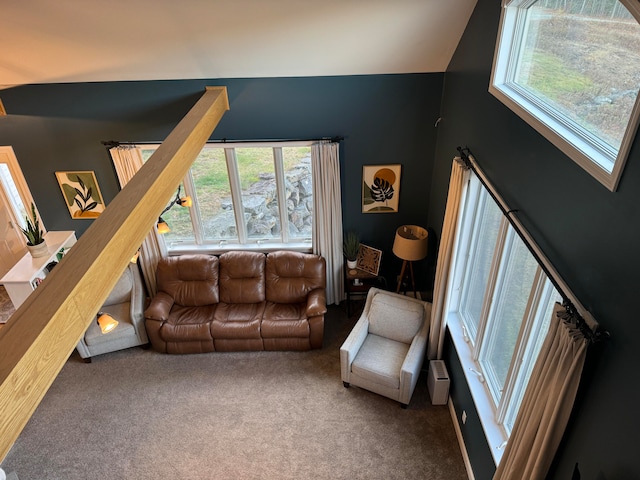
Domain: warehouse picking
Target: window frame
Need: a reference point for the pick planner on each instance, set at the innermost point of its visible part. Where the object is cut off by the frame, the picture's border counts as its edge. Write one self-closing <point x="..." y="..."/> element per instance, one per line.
<point x="584" y="148"/>
<point x="493" y="415"/>
<point x="243" y="242"/>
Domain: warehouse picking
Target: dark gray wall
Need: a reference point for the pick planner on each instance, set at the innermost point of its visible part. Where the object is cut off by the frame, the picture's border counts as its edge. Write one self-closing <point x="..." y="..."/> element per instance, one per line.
<point x="383" y="119"/>
<point x="588" y="233"/>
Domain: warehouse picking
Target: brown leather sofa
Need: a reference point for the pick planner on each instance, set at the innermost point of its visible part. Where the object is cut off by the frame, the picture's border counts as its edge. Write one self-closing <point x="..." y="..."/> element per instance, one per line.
<point x="238" y="301"/>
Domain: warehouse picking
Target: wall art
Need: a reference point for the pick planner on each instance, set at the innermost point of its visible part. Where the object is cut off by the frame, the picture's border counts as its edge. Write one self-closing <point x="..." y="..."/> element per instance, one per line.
<point x="81" y="194"/>
<point x="380" y="188"/>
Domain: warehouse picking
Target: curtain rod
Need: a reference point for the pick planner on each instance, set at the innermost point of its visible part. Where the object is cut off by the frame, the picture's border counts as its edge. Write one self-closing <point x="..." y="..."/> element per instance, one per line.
<point x="336" y="139"/>
<point x="569" y="301"/>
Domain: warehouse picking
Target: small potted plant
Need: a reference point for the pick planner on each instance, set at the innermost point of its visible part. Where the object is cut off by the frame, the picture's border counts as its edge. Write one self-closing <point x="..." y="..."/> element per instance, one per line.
<point x="34" y="235"/>
<point x="350" y="247"/>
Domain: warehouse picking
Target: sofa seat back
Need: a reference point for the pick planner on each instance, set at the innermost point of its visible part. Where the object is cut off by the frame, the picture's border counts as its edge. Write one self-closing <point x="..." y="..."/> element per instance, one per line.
<point x="242" y="277"/>
<point x="191" y="280"/>
<point x="290" y="276"/>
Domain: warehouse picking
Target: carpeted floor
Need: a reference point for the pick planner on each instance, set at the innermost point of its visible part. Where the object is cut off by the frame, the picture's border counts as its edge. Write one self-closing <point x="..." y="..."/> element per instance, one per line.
<point x="6" y="307"/>
<point x="137" y="414"/>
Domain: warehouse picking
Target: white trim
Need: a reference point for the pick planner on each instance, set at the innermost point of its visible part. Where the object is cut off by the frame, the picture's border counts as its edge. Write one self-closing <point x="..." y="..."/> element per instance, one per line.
<point x="601" y="161"/>
<point x="481" y="397"/>
<point x="463" y="447"/>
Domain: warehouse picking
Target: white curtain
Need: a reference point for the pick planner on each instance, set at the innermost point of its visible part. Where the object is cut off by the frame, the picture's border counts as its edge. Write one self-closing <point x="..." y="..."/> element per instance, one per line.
<point x="547" y="402"/>
<point x="457" y="183"/>
<point x="127" y="160"/>
<point x="327" y="215"/>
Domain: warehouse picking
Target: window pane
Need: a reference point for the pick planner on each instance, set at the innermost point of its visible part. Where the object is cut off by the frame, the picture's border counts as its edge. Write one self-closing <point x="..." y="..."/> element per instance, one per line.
<point x="179" y="221"/>
<point x="514" y="285"/>
<point x="11" y="190"/>
<point x="299" y="191"/>
<point x="484" y="235"/>
<point x="256" y="170"/>
<point x="213" y="196"/>
<point x="582" y="62"/>
<point x="534" y="342"/>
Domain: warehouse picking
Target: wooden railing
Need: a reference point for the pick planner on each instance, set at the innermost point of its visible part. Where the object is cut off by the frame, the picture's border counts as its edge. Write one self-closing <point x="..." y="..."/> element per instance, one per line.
<point x="42" y="333"/>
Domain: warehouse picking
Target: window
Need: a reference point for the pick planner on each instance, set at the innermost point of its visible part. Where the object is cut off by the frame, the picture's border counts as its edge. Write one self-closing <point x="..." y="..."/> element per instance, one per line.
<point x="499" y="308"/>
<point x="244" y="196"/>
<point x="570" y="69"/>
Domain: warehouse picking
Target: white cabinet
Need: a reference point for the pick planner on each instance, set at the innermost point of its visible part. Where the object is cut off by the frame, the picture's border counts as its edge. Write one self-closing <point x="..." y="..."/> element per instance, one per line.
<point x="25" y="275"/>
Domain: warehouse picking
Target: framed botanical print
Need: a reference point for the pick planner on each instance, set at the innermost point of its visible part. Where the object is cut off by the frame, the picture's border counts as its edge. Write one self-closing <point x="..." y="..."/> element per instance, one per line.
<point x="380" y="188"/>
<point x="81" y="194"/>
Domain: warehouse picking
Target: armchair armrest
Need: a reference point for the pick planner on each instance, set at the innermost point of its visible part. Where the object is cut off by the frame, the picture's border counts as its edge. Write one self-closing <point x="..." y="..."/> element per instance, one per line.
<point x="412" y="364"/>
<point x="159" y="307"/>
<point x="316" y="302"/>
<point x="351" y="346"/>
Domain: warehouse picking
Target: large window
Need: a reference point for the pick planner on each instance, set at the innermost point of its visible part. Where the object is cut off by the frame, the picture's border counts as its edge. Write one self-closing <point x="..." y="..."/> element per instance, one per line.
<point x="244" y="196"/>
<point x="499" y="310"/>
<point x="570" y="69"/>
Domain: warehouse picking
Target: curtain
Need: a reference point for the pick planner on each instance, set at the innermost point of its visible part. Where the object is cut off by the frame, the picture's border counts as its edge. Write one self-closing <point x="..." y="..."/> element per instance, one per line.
<point x="547" y="401"/>
<point x="457" y="182"/>
<point x="327" y="215"/>
<point x="127" y="160"/>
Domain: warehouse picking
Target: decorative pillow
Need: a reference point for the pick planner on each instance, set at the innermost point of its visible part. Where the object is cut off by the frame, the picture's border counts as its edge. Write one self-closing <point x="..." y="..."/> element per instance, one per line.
<point x="395" y="317"/>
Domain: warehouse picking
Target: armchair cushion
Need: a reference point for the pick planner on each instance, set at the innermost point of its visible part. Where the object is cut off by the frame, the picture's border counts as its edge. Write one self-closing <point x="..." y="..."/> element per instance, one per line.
<point x="380" y="360"/>
<point x="124" y="329"/>
<point x="395" y="318"/>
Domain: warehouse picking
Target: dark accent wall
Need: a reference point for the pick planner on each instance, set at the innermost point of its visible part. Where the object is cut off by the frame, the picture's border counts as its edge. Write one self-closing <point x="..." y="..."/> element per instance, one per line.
<point x="588" y="233"/>
<point x="383" y="119"/>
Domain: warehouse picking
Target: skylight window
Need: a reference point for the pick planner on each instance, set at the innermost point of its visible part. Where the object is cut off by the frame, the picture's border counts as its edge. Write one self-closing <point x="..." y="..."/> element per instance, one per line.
<point x="571" y="70"/>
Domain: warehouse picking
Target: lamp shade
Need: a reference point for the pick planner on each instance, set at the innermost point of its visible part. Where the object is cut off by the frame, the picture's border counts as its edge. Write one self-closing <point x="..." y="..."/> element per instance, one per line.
<point x="106" y="322"/>
<point x="410" y="243"/>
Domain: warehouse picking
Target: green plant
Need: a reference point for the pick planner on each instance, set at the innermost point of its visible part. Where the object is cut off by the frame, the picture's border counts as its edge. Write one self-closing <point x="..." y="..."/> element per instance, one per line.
<point x="33" y="232"/>
<point x="350" y="245"/>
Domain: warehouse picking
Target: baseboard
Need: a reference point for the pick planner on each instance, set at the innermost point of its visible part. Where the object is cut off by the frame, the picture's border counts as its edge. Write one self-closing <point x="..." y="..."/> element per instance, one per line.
<point x="463" y="448"/>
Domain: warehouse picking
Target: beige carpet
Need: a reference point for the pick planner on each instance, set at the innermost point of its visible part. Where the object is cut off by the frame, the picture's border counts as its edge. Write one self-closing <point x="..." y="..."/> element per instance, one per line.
<point x="137" y="414"/>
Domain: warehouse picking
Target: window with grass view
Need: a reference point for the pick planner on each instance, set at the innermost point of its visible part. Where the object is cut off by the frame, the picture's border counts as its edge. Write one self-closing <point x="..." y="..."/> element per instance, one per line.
<point x="244" y="196"/>
<point x="570" y="69"/>
<point x="504" y="301"/>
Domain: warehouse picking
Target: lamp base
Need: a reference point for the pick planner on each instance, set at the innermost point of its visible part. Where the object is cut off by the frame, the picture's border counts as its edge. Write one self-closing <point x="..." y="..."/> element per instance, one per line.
<point x="403" y="272"/>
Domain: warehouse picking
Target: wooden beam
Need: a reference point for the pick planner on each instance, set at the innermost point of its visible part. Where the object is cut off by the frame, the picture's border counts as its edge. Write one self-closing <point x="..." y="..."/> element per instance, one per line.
<point x="42" y="333"/>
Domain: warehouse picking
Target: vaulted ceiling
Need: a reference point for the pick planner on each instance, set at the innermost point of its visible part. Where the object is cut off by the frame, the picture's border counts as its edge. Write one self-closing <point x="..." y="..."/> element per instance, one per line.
<point x="93" y="40"/>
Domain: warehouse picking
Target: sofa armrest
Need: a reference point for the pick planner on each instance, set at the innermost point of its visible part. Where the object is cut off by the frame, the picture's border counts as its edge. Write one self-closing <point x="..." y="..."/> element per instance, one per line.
<point x="159" y="307"/>
<point x="316" y="302"/>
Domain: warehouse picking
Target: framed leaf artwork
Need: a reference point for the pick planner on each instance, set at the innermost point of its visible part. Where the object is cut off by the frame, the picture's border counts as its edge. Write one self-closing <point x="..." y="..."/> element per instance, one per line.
<point x="81" y="194"/>
<point x="380" y="188"/>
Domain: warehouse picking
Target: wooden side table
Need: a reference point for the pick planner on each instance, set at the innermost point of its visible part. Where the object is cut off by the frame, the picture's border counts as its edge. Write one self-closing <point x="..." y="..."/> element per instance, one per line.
<point x="357" y="282"/>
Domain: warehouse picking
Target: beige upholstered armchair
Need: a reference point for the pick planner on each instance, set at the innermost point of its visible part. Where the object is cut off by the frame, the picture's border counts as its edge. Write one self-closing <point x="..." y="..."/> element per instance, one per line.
<point x="386" y="348"/>
<point x="125" y="303"/>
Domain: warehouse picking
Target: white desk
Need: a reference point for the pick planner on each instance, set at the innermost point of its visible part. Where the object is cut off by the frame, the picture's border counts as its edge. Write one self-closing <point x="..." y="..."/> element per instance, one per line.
<point x="21" y="280"/>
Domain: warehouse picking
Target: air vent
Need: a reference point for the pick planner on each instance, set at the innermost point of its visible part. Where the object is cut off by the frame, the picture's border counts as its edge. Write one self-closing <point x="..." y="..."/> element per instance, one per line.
<point x="438" y="382"/>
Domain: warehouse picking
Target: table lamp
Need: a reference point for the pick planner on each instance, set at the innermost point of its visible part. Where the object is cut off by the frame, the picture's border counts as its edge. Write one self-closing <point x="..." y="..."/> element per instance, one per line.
<point x="410" y="245"/>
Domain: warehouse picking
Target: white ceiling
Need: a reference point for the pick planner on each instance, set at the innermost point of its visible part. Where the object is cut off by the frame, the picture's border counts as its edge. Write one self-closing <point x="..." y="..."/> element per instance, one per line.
<point x="46" y="41"/>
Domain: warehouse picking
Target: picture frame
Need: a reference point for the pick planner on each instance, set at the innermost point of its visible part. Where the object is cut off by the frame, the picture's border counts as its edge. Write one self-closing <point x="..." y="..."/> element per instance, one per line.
<point x="381" y="188"/>
<point x="81" y="194"/>
<point x="369" y="259"/>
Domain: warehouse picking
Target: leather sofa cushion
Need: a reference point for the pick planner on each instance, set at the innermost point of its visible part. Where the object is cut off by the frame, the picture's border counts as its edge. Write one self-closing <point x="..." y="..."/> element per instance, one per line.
<point x="242" y="277"/>
<point x="240" y="320"/>
<point x="290" y="276"/>
<point x="191" y="280"/>
<point x="284" y="320"/>
<point x="188" y="324"/>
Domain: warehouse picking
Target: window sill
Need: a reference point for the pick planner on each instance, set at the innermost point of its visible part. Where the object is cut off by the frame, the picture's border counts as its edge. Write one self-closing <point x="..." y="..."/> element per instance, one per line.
<point x="219" y="249"/>
<point x="494" y="433"/>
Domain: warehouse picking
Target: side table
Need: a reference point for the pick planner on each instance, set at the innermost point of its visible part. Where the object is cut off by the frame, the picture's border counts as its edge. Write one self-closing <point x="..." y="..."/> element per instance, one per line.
<point x="357" y="282"/>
